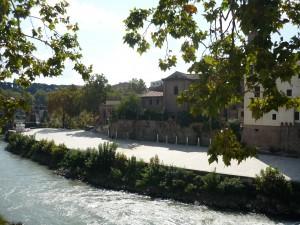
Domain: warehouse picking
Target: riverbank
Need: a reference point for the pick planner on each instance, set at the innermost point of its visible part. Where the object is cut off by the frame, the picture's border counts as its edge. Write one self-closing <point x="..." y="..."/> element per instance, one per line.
<point x="182" y="156"/>
<point x="4" y="222"/>
<point x="103" y="167"/>
<point x="33" y="194"/>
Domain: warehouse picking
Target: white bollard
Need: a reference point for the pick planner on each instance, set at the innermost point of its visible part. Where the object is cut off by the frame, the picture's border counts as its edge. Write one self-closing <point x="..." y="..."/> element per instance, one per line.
<point x="187" y="140"/>
<point x="157" y="138"/>
<point x="167" y="139"/>
<point x="176" y="140"/>
<point x="116" y="134"/>
<point x="198" y="141"/>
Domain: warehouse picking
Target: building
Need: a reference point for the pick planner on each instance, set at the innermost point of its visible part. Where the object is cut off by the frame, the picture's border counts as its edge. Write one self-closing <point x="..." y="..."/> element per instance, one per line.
<point x="155" y="84"/>
<point x="152" y="100"/>
<point x="162" y="95"/>
<point x="166" y="99"/>
<point x="173" y="85"/>
<point x="276" y="130"/>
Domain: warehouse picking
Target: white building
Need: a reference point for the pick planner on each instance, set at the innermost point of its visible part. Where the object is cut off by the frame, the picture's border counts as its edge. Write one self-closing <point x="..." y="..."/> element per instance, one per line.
<point x="276" y="130"/>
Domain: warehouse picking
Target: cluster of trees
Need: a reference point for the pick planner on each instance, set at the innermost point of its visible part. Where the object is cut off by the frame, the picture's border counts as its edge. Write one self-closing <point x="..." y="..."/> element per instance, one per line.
<point x="133" y="87"/>
<point x="74" y="106"/>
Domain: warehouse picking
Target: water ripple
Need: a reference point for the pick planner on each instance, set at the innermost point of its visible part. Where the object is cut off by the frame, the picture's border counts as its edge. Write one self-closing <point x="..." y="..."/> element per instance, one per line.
<point x="34" y="195"/>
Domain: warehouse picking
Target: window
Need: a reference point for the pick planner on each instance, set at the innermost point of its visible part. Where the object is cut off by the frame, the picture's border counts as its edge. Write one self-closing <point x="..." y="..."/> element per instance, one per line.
<point x="296" y="115"/>
<point x="150" y="102"/>
<point x="257" y="92"/>
<point x="274" y="116"/>
<point x="175" y="90"/>
<point x="289" y="92"/>
<point x="157" y="101"/>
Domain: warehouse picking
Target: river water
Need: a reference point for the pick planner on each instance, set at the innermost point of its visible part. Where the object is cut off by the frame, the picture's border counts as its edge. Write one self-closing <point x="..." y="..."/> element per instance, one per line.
<point x="34" y="195"/>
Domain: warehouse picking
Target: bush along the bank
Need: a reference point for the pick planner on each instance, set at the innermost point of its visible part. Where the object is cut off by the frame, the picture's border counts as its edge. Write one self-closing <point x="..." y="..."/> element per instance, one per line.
<point x="269" y="193"/>
<point x="4" y="222"/>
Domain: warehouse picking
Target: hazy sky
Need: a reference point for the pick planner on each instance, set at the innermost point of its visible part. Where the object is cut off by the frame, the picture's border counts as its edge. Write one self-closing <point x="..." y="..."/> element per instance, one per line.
<point x="101" y="38"/>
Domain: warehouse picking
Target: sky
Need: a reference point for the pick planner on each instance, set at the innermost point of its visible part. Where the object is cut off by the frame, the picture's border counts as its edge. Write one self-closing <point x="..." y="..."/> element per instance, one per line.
<point x="101" y="38"/>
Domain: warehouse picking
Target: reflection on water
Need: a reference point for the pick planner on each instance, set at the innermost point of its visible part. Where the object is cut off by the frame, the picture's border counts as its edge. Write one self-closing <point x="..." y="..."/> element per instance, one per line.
<point x="34" y="195"/>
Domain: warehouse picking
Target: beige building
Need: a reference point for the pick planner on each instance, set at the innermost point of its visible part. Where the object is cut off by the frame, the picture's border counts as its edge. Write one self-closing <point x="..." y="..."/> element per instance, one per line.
<point x="152" y="100"/>
<point x="277" y="129"/>
<point x="166" y="100"/>
<point x="173" y="85"/>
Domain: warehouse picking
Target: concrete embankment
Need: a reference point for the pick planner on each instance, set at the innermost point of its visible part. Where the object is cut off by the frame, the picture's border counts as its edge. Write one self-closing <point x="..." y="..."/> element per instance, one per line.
<point x="183" y="156"/>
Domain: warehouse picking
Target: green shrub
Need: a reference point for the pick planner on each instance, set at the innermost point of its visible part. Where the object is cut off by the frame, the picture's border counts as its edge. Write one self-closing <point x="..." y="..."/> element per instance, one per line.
<point x="74" y="161"/>
<point x="190" y="188"/>
<point x="133" y="171"/>
<point x="3" y="221"/>
<point x="271" y="183"/>
<point x="211" y="181"/>
<point x="231" y="185"/>
<point x="152" y="174"/>
<point x="198" y="181"/>
<point x="102" y="159"/>
<point x="116" y="176"/>
<point x="57" y="155"/>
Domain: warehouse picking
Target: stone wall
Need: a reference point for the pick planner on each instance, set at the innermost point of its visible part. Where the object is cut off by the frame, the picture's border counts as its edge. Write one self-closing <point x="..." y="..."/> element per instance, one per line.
<point x="147" y="130"/>
<point x="284" y="138"/>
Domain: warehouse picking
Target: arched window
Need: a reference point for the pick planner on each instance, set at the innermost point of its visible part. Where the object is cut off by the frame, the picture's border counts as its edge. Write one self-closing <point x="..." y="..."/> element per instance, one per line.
<point x="175" y="90"/>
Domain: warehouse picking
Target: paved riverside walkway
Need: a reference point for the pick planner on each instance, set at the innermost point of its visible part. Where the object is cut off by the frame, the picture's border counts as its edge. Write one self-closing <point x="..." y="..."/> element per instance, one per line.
<point x="190" y="157"/>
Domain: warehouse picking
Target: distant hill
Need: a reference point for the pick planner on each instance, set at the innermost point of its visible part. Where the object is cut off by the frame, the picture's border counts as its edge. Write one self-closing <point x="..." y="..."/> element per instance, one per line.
<point x="33" y="88"/>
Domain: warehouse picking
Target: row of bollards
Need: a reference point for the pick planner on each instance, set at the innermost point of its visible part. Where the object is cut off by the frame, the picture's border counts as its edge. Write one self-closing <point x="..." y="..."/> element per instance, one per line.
<point x="176" y="140"/>
<point x="157" y="138"/>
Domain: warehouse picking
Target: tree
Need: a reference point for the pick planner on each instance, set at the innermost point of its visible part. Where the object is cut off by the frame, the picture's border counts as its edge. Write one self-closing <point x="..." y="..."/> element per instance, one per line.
<point x="137" y="86"/>
<point x="8" y="106"/>
<point x="94" y="93"/>
<point x="129" y="107"/>
<point x="229" y="43"/>
<point x="65" y="103"/>
<point x="40" y="97"/>
<point x="24" y="33"/>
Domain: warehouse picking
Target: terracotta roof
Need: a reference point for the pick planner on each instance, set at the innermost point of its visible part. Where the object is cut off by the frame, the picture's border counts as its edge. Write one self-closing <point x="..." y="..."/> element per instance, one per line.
<point x="152" y="94"/>
<point x="182" y="76"/>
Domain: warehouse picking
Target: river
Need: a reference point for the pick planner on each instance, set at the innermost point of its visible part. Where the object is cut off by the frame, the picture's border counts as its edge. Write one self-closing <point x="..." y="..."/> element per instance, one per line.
<point x="32" y="194"/>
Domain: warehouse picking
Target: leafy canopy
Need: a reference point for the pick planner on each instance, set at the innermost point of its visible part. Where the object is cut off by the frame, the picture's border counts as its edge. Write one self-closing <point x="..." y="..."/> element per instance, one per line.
<point x="28" y="29"/>
<point x="94" y="93"/>
<point x="233" y="45"/>
<point x="225" y="41"/>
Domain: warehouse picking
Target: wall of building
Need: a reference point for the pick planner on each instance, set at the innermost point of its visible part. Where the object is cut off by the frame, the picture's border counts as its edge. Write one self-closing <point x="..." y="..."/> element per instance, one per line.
<point x="152" y="103"/>
<point x="285" y="138"/>
<point x="282" y="115"/>
<point x="170" y="99"/>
